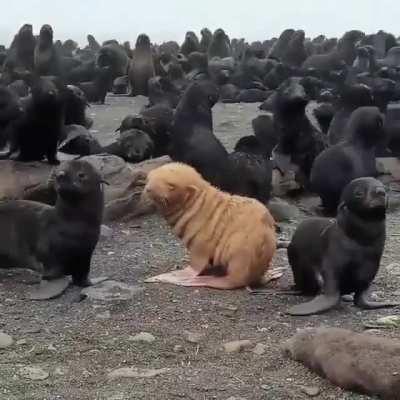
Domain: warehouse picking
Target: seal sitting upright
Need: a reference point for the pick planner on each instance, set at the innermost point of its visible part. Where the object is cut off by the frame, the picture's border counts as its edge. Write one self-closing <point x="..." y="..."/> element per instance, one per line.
<point x="342" y="256"/>
<point x="57" y="241"/>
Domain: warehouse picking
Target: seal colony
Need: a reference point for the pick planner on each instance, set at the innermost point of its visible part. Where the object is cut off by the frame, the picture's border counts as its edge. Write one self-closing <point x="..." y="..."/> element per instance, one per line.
<point x="328" y="110"/>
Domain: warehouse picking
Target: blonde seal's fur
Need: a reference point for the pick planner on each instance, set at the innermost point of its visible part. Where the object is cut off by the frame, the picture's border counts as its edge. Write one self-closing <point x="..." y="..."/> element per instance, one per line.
<point x="233" y="233"/>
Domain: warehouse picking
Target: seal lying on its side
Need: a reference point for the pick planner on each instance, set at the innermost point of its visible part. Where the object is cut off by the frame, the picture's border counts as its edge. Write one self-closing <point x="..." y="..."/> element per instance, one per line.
<point x="59" y="240"/>
<point x="362" y="362"/>
<point x="342" y="256"/>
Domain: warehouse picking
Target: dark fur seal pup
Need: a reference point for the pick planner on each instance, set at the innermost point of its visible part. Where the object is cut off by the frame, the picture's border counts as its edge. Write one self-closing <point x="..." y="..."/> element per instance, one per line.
<point x="141" y="67"/>
<point x="47" y="60"/>
<point x="75" y="107"/>
<point x="22" y="49"/>
<point x="351" y="98"/>
<point x="59" y="240"/>
<point x="93" y="45"/>
<point x="133" y="146"/>
<point x="252" y="174"/>
<point x="35" y="135"/>
<point x="220" y="45"/>
<point x="96" y="91"/>
<point x="206" y="39"/>
<point x="198" y="66"/>
<point x="298" y="140"/>
<point x="342" y="256"/>
<point x="193" y="141"/>
<point x="10" y="110"/>
<point x="113" y="55"/>
<point x="361" y="362"/>
<point x="190" y="44"/>
<point x="354" y="158"/>
<point x="280" y="46"/>
<point x="295" y="53"/>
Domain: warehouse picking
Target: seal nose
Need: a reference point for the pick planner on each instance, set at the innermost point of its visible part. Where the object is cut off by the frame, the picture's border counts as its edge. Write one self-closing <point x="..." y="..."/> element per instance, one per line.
<point x="61" y="174"/>
<point x="380" y="191"/>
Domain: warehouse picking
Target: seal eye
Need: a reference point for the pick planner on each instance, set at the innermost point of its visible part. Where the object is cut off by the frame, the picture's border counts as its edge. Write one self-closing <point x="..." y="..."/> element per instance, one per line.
<point x="358" y="194"/>
<point x="171" y="187"/>
<point x="81" y="175"/>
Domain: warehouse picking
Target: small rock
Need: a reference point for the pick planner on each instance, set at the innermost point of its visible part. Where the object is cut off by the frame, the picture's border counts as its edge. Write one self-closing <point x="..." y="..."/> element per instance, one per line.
<point x="5" y="340"/>
<point x="104" y="315"/>
<point x="34" y="373"/>
<point x="21" y="342"/>
<point x="397" y="293"/>
<point x="51" y="347"/>
<point x="60" y="371"/>
<point x="373" y="331"/>
<point x="111" y="291"/>
<point x="31" y="329"/>
<point x="178" y="348"/>
<point x="142" y="337"/>
<point x="259" y="349"/>
<point x="236" y="398"/>
<point x="133" y="372"/>
<point x="193" y="337"/>
<point x="394" y="269"/>
<point x="237" y="346"/>
<point x="311" y="391"/>
<point x="105" y="231"/>
<point x="390" y="320"/>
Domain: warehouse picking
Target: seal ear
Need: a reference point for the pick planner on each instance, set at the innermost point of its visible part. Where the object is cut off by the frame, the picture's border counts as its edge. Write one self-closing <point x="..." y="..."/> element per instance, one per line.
<point x="341" y="206"/>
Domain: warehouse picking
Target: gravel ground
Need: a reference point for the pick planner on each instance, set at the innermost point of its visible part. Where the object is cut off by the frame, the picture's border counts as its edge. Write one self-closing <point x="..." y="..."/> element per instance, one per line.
<point x="77" y="344"/>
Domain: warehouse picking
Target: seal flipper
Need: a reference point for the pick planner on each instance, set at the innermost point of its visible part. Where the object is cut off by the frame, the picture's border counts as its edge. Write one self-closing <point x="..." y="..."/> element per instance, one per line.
<point x="361" y="301"/>
<point x="48" y="290"/>
<point x="318" y="305"/>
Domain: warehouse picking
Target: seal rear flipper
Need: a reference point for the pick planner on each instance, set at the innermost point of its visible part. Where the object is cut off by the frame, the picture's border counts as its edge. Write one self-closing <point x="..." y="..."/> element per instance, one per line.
<point x="361" y="301"/>
<point x="318" y="305"/>
<point x="48" y="290"/>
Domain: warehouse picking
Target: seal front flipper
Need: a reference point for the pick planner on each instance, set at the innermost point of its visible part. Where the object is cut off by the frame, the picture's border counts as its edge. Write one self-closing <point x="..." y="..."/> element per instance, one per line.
<point x="318" y="305"/>
<point x="361" y="301"/>
<point x="48" y="290"/>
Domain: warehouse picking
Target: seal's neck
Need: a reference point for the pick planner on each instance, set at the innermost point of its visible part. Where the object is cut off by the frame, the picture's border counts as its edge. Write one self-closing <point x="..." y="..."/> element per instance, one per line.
<point x="89" y="209"/>
<point x="363" y="229"/>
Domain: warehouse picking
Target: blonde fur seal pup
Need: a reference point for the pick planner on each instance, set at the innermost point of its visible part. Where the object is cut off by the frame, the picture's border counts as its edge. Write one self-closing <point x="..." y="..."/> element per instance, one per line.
<point x="232" y="235"/>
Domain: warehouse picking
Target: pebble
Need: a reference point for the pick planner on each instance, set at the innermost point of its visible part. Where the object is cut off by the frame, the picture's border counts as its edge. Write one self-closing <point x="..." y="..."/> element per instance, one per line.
<point x="21" y="342"/>
<point x="104" y="315"/>
<point x="105" y="231"/>
<point x="111" y="291"/>
<point x="397" y="293"/>
<point x="34" y="373"/>
<point x="394" y="269"/>
<point x="259" y="349"/>
<point x="236" y="398"/>
<point x="133" y="372"/>
<point x="390" y="320"/>
<point x="178" y="348"/>
<point x="193" y="337"/>
<point x="236" y="346"/>
<point x="31" y="329"/>
<point x="5" y="340"/>
<point x="142" y="337"/>
<point x="311" y="391"/>
<point x="60" y="371"/>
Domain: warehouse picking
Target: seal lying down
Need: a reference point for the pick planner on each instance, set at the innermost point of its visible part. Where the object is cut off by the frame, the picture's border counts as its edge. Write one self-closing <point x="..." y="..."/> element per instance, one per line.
<point x="55" y="241"/>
